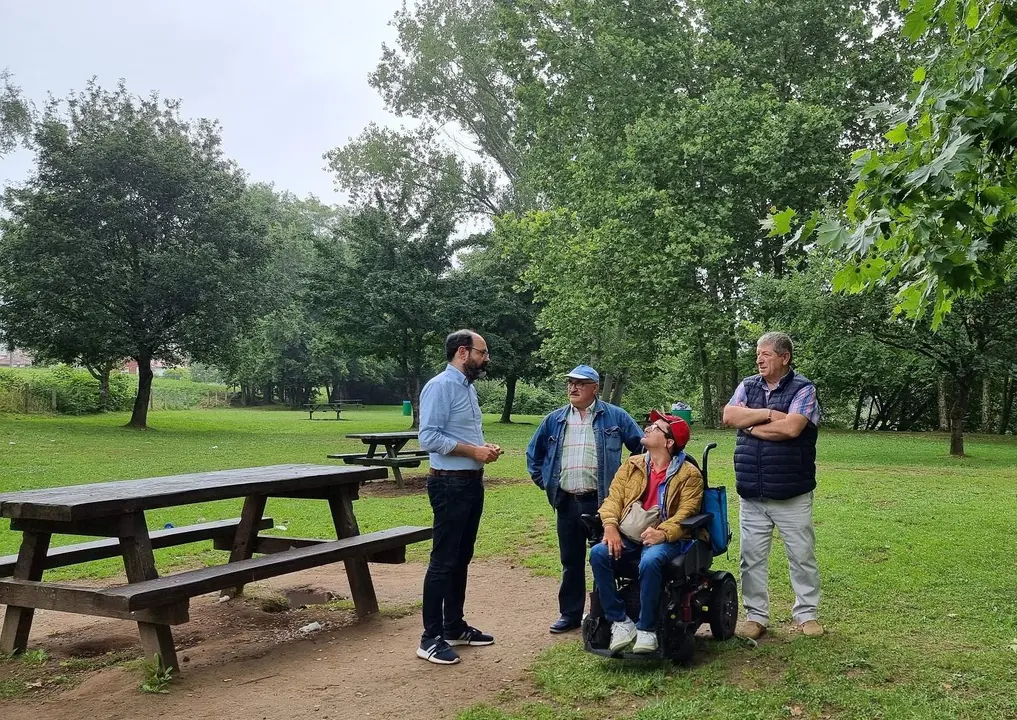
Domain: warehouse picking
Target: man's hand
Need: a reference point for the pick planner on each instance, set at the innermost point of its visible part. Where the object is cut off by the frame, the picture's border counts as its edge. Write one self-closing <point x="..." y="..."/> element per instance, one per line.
<point x="486" y="453"/>
<point x="653" y="536"/>
<point x="612" y="538"/>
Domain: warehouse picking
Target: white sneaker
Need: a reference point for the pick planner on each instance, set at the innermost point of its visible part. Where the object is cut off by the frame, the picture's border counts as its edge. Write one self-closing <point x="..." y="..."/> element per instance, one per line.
<point x="622" y="635"/>
<point x="646" y="642"/>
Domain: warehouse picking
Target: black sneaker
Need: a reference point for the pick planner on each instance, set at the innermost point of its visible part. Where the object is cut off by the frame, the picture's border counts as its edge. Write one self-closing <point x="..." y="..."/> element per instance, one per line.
<point x="472" y="636"/>
<point x="437" y="651"/>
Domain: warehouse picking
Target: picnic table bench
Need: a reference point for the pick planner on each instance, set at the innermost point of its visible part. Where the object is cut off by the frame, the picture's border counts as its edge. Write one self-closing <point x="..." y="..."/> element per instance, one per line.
<point x="393" y="457"/>
<point x="115" y="511"/>
<point x="336" y="406"/>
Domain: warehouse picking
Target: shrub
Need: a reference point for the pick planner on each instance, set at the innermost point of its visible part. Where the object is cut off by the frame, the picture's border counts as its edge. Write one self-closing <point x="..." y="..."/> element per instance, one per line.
<point x="530" y="400"/>
<point x="61" y="389"/>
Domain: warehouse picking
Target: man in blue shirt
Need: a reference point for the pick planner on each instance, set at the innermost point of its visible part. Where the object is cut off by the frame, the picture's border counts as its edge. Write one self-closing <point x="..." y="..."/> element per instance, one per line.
<point x="450" y="430"/>
<point x="573" y="457"/>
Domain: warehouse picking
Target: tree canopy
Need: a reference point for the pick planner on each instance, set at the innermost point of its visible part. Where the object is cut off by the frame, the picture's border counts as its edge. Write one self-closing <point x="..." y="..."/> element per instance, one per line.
<point x="134" y="237"/>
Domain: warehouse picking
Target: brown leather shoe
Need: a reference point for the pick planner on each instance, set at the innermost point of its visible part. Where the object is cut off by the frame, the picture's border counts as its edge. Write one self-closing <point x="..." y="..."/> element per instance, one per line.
<point x="751" y="630"/>
<point x="811" y="628"/>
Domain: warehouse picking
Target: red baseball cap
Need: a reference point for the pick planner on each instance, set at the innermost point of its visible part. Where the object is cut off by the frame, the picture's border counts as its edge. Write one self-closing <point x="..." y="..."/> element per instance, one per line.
<point x="679" y="428"/>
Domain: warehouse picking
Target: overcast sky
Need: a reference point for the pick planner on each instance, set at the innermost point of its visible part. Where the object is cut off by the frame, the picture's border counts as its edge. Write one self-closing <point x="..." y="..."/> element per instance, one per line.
<point x="286" y="78"/>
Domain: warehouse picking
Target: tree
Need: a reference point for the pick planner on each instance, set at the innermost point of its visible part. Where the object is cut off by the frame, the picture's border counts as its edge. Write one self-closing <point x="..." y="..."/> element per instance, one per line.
<point x="134" y="234"/>
<point x="933" y="207"/>
<point x="383" y="283"/>
<point x="446" y="67"/>
<point x="287" y="351"/>
<point x="15" y="114"/>
<point x="505" y="313"/>
<point x="657" y="134"/>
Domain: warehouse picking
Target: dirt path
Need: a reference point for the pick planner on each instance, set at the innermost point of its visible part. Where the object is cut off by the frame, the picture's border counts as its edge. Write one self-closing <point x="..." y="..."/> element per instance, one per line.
<point x="243" y="662"/>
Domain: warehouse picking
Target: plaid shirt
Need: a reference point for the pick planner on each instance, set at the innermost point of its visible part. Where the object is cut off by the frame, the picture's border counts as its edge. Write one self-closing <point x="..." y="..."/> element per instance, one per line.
<point x="579" y="453"/>
<point x="803" y="403"/>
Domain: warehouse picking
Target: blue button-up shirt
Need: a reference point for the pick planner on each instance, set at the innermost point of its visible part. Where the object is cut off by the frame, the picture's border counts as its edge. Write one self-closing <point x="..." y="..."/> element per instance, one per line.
<point x="449" y="414"/>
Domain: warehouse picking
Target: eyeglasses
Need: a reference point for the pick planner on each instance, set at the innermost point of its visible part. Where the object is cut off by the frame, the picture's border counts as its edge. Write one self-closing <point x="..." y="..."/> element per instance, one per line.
<point x="483" y="353"/>
<point x="578" y="383"/>
<point x="654" y="426"/>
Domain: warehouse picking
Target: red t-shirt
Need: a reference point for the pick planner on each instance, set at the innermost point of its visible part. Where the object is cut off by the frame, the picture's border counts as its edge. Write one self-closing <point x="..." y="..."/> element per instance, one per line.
<point x="653" y="488"/>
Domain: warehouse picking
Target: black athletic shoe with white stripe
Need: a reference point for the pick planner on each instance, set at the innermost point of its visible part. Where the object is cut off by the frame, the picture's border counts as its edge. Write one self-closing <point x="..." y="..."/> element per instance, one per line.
<point x="436" y="650"/>
<point x="472" y="636"/>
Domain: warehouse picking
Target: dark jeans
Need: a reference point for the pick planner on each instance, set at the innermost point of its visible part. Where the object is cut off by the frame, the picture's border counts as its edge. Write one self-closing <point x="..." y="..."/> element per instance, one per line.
<point x="652" y="560"/>
<point x="457" y="503"/>
<point x="572" y="550"/>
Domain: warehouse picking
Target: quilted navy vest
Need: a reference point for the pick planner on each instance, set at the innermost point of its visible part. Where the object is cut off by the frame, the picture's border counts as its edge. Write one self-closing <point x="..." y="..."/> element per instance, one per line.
<point x="775" y="469"/>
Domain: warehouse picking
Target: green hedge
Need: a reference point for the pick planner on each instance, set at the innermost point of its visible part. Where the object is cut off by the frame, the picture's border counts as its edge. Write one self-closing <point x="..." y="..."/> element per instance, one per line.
<point x="530" y="400"/>
<point x="61" y="389"/>
<point x="71" y="391"/>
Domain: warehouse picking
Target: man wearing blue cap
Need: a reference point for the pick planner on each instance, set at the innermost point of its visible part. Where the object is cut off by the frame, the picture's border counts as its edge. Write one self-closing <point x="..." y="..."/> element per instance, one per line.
<point x="573" y="457"/>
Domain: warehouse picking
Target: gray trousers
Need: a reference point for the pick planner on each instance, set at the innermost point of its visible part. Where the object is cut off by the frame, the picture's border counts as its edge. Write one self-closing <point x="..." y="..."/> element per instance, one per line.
<point x="793" y="518"/>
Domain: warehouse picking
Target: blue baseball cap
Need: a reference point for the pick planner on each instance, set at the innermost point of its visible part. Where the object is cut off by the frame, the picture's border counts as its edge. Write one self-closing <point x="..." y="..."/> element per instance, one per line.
<point x="584" y="372"/>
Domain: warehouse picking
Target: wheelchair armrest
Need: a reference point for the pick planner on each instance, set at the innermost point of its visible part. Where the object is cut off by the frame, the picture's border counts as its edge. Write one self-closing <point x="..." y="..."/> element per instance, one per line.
<point x="593" y="527"/>
<point x="696" y="521"/>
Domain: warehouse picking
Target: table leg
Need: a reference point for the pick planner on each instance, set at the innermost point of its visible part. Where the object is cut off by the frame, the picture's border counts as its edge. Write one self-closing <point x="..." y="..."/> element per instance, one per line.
<point x="139" y="562"/>
<point x="247" y="534"/>
<point x="30" y="564"/>
<point x="357" y="571"/>
<point x="398" y="445"/>
<point x="392" y="450"/>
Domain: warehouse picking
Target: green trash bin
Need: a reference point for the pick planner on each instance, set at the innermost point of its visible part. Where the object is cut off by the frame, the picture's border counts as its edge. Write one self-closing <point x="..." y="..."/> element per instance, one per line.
<point x="685" y="415"/>
<point x="407" y="408"/>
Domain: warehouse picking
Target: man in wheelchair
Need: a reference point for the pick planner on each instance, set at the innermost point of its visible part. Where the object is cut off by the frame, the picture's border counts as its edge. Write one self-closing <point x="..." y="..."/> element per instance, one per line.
<point x="653" y="562"/>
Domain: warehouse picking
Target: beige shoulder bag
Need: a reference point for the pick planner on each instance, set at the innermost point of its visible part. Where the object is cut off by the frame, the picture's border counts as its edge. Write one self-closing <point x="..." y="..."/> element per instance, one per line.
<point x="636" y="519"/>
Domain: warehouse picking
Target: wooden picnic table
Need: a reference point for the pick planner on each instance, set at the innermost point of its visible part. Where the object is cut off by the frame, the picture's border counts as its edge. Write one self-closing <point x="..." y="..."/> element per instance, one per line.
<point x="336" y="406"/>
<point x="393" y="457"/>
<point x="116" y="511"/>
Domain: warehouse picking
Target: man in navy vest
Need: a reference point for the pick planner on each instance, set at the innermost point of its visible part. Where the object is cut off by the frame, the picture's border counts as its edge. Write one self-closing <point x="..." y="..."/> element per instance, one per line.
<point x="777" y="417"/>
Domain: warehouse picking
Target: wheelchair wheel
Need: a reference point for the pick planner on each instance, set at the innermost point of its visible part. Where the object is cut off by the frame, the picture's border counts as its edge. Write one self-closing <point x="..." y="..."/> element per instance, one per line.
<point x="723" y="615"/>
<point x="596" y="632"/>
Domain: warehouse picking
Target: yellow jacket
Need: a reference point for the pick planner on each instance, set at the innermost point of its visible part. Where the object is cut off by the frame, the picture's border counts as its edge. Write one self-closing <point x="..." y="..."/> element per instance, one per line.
<point x="684" y="495"/>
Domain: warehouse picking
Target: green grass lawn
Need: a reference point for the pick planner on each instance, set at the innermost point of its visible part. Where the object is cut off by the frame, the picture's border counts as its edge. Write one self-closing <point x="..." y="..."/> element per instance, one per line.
<point x="916" y="552"/>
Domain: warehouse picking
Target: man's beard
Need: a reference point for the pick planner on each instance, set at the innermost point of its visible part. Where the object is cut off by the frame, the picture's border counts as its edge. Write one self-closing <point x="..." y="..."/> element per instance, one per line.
<point x="475" y="372"/>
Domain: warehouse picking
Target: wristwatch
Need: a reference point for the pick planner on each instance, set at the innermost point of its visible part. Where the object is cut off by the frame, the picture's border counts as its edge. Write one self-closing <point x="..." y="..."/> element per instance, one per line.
<point x="749" y="429"/>
<point x="769" y="415"/>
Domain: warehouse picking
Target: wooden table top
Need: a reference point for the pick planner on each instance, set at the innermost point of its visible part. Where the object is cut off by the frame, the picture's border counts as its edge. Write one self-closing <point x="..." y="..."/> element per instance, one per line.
<point x="110" y="499"/>
<point x="383" y="436"/>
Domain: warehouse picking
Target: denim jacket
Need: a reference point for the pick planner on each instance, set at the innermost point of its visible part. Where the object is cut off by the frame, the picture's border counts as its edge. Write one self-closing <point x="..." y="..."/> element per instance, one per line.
<point x="612" y="428"/>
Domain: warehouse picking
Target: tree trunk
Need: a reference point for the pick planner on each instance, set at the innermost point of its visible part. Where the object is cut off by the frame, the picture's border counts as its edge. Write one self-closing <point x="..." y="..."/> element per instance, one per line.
<point x="986" y="403"/>
<point x="104" y="389"/>
<point x="1006" y="407"/>
<point x="709" y="416"/>
<point x="607" y="386"/>
<point x="618" y="389"/>
<point x="510" y="398"/>
<point x="958" y="410"/>
<point x="733" y="351"/>
<point x="858" y="409"/>
<point x="415" y="399"/>
<point x="101" y="373"/>
<point x="944" y="417"/>
<point x="139" y="418"/>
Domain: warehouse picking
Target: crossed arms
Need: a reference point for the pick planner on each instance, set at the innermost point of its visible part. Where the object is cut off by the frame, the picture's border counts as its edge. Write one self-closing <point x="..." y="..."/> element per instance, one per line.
<point x="782" y="426"/>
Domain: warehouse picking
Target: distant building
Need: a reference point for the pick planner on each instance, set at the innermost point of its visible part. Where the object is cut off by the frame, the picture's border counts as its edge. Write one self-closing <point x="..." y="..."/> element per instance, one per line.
<point x="158" y="367"/>
<point x="13" y="357"/>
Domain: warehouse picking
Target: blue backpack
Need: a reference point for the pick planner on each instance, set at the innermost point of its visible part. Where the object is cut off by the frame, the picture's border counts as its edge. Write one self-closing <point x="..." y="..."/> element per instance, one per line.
<point x="715" y="503"/>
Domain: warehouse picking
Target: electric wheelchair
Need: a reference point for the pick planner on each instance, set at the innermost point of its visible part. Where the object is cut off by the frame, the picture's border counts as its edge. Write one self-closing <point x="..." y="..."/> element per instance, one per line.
<point x="692" y="593"/>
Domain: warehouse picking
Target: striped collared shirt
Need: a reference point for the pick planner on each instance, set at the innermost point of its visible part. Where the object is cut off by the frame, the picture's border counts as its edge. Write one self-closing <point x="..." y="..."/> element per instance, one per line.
<point x="579" y="453"/>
